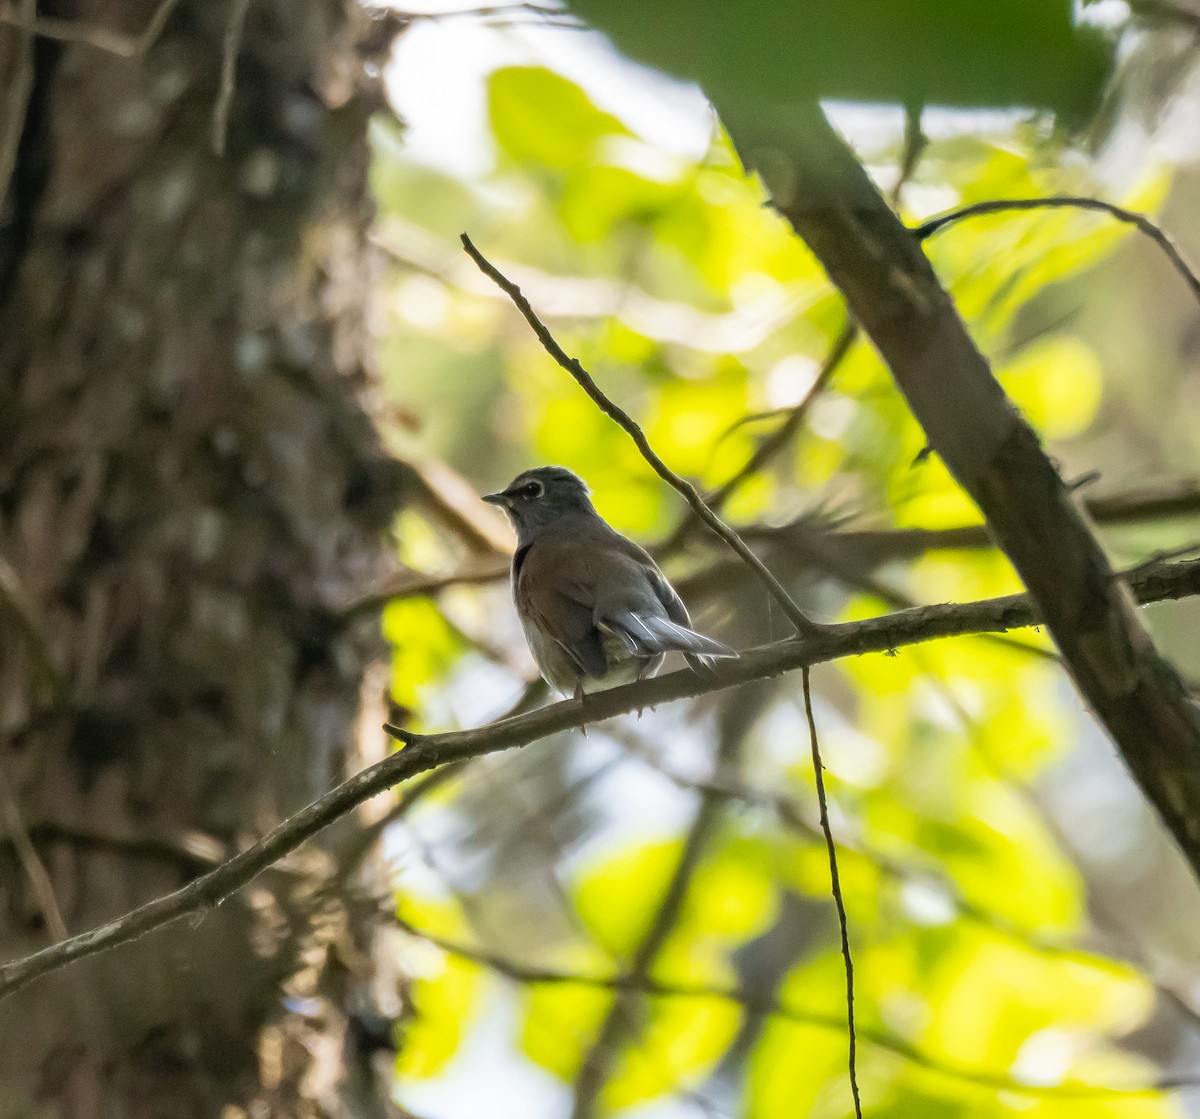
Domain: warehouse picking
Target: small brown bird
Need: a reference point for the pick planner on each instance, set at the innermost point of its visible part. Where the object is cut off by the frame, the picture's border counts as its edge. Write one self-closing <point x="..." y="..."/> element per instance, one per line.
<point x="594" y="606"/>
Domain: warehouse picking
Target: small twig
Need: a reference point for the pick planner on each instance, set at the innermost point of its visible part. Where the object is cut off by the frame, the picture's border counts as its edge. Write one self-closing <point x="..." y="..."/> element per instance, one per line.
<point x="915" y="143"/>
<point x="1156" y="560"/>
<point x="620" y="1021"/>
<point x="1161" y="12"/>
<point x="91" y="35"/>
<point x="501" y="15"/>
<point x="229" y="55"/>
<point x="35" y="870"/>
<point x="17" y="95"/>
<point x="772" y="444"/>
<point x="1066" y="202"/>
<point x="15" y="602"/>
<point x="418" y="584"/>
<point x="802" y="622"/>
<point x="782" y="436"/>
<point x="836" y="887"/>
<point x="575" y="298"/>
<point x="425" y="753"/>
<point x="361" y="844"/>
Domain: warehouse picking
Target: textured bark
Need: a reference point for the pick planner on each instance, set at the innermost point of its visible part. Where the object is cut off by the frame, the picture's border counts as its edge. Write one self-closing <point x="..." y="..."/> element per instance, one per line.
<point x="189" y="486"/>
<point x="892" y="291"/>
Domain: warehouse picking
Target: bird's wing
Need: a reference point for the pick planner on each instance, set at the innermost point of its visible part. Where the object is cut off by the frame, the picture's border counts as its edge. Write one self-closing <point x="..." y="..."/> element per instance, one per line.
<point x="649" y="614"/>
<point x="552" y="591"/>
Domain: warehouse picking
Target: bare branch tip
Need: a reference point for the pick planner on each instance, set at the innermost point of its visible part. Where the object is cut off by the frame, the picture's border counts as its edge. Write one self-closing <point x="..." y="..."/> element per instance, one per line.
<point x="404" y="737"/>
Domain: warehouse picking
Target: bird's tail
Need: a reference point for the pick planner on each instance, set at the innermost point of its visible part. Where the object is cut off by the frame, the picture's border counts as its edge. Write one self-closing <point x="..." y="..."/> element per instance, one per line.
<point x="650" y="634"/>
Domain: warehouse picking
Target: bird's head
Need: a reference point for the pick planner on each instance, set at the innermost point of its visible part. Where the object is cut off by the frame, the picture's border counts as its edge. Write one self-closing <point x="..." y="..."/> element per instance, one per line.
<point x="539" y="497"/>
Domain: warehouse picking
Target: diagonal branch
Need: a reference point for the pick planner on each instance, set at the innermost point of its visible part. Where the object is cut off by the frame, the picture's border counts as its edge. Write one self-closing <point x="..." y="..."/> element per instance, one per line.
<point x="622" y="418"/>
<point x="894" y="294"/>
<point x="40" y="884"/>
<point x="92" y="35"/>
<point x="231" y="46"/>
<point x="20" y="86"/>
<point x="772" y="444"/>
<point x="424" y="753"/>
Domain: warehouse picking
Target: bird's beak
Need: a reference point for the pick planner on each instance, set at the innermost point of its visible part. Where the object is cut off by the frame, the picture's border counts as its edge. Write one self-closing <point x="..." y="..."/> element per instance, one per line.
<point x="500" y="499"/>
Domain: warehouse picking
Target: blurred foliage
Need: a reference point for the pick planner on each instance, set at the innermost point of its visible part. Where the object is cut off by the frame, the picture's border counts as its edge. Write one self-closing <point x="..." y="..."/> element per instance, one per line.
<point x="942" y="52"/>
<point x="980" y="987"/>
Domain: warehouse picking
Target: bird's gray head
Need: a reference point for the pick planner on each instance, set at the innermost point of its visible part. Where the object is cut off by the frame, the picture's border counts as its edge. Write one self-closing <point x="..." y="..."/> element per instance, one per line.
<point x="540" y="497"/>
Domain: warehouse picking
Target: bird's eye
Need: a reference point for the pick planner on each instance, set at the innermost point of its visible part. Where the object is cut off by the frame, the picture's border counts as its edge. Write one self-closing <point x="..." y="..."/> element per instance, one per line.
<point x="533" y="489"/>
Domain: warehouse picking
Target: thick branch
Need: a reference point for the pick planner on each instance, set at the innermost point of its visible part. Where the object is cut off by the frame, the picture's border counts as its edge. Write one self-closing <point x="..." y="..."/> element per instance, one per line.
<point x="423" y="753"/>
<point x="893" y="293"/>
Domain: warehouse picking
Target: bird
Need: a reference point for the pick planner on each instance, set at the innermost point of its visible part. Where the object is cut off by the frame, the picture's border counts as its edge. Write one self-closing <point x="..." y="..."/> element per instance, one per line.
<point x="595" y="608"/>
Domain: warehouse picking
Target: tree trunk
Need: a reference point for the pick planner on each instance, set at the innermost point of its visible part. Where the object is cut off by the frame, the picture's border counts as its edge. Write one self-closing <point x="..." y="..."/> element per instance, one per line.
<point x="189" y="485"/>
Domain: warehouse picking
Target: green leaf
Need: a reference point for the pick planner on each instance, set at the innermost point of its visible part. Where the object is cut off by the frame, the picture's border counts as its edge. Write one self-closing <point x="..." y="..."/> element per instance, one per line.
<point x="541" y="118"/>
<point x="423" y="648"/>
<point x="681" y="1040"/>
<point x="443" y="1007"/>
<point x="559" y="1023"/>
<point x="758" y="57"/>
<point x="617" y="897"/>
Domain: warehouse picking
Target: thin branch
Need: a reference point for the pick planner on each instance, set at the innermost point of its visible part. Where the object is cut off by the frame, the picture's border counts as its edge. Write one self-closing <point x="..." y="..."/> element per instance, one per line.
<point x="755" y="1003"/>
<point x="822" y="552"/>
<point x="621" y="1019"/>
<point x="1067" y="202"/>
<point x="836" y="887"/>
<point x="772" y="444"/>
<point x="424" y="753"/>
<point x="361" y="844"/>
<point x="16" y="603"/>
<point x="1159" y="11"/>
<point x="92" y="35"/>
<point x="783" y="435"/>
<point x="487" y="11"/>
<point x="35" y="871"/>
<point x="915" y="143"/>
<point x="419" y="584"/>
<point x="189" y="852"/>
<point x="20" y="86"/>
<point x="229" y="54"/>
<point x="584" y="379"/>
